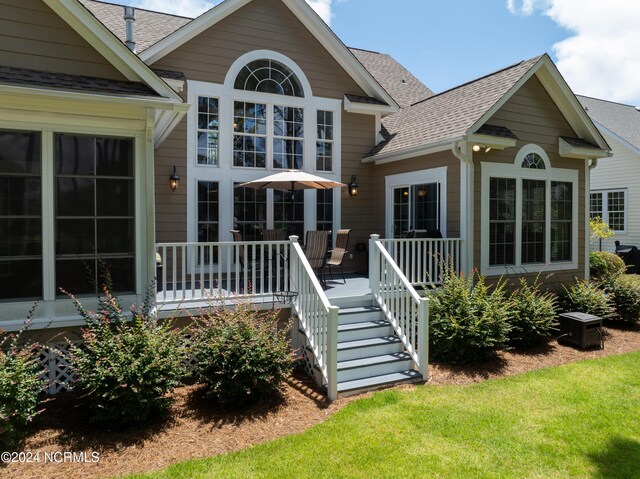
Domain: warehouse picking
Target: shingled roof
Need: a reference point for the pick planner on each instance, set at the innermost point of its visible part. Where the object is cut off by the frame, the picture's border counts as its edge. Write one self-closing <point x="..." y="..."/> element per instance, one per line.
<point x="448" y="114"/>
<point x="403" y="87"/>
<point x="623" y="120"/>
<point x="151" y="27"/>
<point x="78" y="83"/>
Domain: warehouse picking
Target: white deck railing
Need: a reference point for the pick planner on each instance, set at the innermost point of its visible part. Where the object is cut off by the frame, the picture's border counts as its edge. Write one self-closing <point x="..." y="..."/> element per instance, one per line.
<point x="196" y="272"/>
<point x="423" y="260"/>
<point x="318" y="318"/>
<point x="403" y="307"/>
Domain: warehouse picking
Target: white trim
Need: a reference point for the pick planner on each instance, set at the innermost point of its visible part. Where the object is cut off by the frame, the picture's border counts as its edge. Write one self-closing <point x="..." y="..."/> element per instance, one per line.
<point x="565" y="150"/>
<point x="320" y="30"/>
<point x="367" y="108"/>
<point x="420" y="150"/>
<point x="587" y="219"/>
<point x="489" y="141"/>
<point x="605" y="206"/>
<point x="225" y="174"/>
<point x="431" y="175"/>
<point x="515" y="171"/>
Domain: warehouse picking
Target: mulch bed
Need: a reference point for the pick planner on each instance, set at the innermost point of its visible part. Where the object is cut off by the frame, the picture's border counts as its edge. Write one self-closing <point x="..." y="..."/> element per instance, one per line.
<point x="195" y="428"/>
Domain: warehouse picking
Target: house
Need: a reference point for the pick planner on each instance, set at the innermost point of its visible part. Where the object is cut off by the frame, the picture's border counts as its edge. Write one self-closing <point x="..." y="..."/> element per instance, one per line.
<point x="615" y="182"/>
<point x="92" y="133"/>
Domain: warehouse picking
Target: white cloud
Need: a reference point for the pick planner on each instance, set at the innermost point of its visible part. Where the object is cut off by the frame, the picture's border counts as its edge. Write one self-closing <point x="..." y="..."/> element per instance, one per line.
<point x="601" y="57"/>
<point x="193" y="8"/>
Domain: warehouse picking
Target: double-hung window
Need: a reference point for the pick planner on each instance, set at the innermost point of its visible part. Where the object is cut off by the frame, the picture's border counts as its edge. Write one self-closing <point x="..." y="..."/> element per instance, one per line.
<point x="530" y="215"/>
<point x="611" y="207"/>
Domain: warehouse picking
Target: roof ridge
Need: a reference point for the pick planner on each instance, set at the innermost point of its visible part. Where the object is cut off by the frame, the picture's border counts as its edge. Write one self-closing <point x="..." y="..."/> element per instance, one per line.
<point x="476" y="79"/>
<point x="365" y="50"/>
<point x="608" y="101"/>
<point x="143" y="9"/>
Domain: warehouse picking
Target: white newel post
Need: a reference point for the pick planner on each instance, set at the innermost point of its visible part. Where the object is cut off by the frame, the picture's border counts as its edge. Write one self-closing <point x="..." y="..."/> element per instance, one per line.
<point x="423" y="331"/>
<point x="332" y="353"/>
<point x="374" y="265"/>
<point x="293" y="266"/>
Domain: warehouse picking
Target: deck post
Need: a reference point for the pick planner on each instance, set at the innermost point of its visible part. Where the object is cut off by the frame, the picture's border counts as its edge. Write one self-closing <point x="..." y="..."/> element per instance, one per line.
<point x="374" y="265"/>
<point x="332" y="353"/>
<point x="423" y="342"/>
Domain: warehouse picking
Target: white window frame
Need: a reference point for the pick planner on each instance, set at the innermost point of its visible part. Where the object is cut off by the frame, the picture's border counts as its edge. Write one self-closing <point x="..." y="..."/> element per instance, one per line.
<point x="413" y="178"/>
<point x="517" y="172"/>
<point x="605" y="206"/>
<point x="226" y="174"/>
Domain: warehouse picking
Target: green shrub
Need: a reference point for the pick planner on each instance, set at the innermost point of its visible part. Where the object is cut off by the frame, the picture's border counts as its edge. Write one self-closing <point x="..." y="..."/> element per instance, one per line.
<point x="625" y="297"/>
<point x="533" y="314"/>
<point x="20" y="386"/>
<point x="587" y="297"/>
<point x="467" y="322"/>
<point x="606" y="266"/>
<point x="126" y="366"/>
<point x="241" y="354"/>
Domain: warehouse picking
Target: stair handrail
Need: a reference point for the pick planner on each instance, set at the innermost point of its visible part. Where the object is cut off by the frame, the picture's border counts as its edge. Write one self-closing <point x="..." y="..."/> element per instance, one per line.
<point x="318" y="318"/>
<point x="401" y="304"/>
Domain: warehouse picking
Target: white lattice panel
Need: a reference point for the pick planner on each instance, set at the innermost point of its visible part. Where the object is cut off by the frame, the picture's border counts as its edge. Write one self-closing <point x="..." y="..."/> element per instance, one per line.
<point x="56" y="371"/>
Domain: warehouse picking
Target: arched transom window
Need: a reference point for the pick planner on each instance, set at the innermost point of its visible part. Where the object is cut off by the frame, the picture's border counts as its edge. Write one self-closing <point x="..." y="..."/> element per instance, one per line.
<point x="269" y="76"/>
<point x="533" y="161"/>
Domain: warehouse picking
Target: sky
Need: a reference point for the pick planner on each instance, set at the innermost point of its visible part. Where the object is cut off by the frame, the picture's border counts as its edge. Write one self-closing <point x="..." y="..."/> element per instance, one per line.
<point x="595" y="43"/>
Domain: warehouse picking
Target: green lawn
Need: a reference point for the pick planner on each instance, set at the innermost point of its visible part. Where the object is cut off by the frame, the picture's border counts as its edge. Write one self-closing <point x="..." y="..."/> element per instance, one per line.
<point x="580" y="420"/>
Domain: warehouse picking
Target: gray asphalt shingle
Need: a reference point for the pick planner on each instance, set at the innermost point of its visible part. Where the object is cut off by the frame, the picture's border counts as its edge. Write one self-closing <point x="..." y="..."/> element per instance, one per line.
<point x="623" y="120"/>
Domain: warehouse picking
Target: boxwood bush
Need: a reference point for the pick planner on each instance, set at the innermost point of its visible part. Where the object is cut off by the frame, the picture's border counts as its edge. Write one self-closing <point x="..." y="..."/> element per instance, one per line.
<point x="533" y="314"/>
<point x="468" y="322"/>
<point x="606" y="266"/>
<point x="241" y="354"/>
<point x="20" y="386"/>
<point x="126" y="365"/>
<point x="587" y="297"/>
<point x="625" y="298"/>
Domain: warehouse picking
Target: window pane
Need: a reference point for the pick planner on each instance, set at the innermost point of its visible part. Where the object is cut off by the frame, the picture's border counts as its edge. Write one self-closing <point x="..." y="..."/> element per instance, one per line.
<point x="426" y="207"/>
<point x="268" y="76"/>
<point x="324" y="210"/>
<point x="207" y="134"/>
<point x="616" y="210"/>
<point x="596" y="205"/>
<point x="75" y="196"/>
<point x="400" y="211"/>
<point x="114" y="197"/>
<point x="75" y="236"/>
<point x="561" y="221"/>
<point x="250" y="212"/>
<point x="533" y="221"/>
<point x="249" y="141"/>
<point x="282" y="208"/>
<point x="116" y="236"/>
<point x="20" y="216"/>
<point x="75" y="155"/>
<point x="502" y="224"/>
<point x="114" y="157"/>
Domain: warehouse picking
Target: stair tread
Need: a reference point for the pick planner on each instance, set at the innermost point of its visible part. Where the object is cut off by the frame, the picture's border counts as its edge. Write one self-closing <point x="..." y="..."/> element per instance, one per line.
<point x="373" y="360"/>
<point x="359" y="309"/>
<point x="363" y="343"/>
<point x="409" y="374"/>
<point x="381" y="323"/>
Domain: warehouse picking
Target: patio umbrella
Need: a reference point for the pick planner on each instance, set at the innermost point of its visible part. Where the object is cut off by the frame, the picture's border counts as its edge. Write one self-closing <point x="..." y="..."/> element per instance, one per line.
<point x="293" y="180"/>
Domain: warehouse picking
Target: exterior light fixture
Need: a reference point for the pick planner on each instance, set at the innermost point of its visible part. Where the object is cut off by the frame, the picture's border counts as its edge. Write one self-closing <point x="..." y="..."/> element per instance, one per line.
<point x="353" y="186"/>
<point x="174" y="180"/>
<point x="476" y="148"/>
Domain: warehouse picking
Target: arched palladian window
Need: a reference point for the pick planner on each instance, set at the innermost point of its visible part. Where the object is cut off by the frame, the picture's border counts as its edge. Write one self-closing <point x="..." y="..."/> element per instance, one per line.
<point x="269" y="76"/>
<point x="533" y="161"/>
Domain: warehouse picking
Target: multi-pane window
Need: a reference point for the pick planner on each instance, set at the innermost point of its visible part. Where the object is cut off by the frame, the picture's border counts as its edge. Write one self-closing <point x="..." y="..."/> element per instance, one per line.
<point x="610" y="206"/>
<point x="533" y="221"/>
<point x="208" y="131"/>
<point x="20" y="215"/>
<point x="324" y="210"/>
<point x="425" y="207"/>
<point x="249" y="134"/>
<point x="288" y="216"/>
<point x="561" y="220"/>
<point x="288" y="137"/>
<point x="94" y="213"/>
<point x="249" y="212"/>
<point x="502" y="221"/>
<point x="268" y="76"/>
<point x="400" y="211"/>
<point x="533" y="161"/>
<point x="208" y="214"/>
<point x="324" y="143"/>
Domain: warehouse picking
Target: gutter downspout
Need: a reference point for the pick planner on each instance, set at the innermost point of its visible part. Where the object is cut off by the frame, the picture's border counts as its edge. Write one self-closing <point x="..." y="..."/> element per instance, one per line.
<point x="467" y="206"/>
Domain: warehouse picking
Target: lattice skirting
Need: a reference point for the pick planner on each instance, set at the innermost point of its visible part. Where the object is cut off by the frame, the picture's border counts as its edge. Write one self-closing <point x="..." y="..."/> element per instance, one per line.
<point x="57" y="374"/>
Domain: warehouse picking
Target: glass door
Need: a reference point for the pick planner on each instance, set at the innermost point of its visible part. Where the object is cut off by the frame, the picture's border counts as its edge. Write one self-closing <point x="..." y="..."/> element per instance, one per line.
<point x="416" y="207"/>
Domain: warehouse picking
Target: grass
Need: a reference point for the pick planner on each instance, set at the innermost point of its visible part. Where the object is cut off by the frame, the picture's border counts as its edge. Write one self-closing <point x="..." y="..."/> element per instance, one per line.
<point x="580" y="420"/>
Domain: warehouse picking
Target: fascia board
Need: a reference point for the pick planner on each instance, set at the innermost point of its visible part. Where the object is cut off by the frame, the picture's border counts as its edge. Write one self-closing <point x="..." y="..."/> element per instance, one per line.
<point x="427" y="149"/>
<point x="106" y="43"/>
<point x="494" y="142"/>
<point x="192" y="29"/>
<point x="565" y="150"/>
<point x="368" y="109"/>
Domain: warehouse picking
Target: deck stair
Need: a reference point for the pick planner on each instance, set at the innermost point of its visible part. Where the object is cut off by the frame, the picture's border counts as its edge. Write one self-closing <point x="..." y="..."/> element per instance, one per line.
<point x="370" y="355"/>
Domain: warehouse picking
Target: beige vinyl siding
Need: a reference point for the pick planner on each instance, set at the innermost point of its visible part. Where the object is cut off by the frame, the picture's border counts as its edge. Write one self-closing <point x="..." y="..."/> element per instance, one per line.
<point x="270" y="25"/>
<point x="260" y="25"/>
<point x="436" y="160"/>
<point x="621" y="171"/>
<point x="33" y="36"/>
<point x="534" y="118"/>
